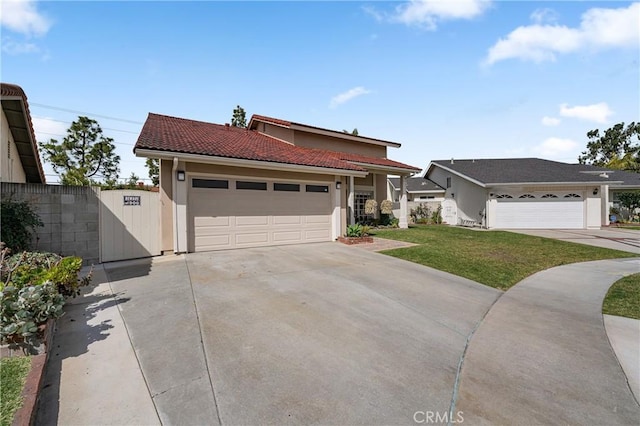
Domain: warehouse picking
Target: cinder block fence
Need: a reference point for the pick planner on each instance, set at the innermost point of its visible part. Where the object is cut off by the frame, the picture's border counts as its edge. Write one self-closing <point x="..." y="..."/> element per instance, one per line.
<point x="71" y="217"/>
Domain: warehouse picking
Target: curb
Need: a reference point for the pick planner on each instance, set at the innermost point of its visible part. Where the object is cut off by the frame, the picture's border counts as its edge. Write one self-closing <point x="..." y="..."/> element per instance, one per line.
<point x="26" y="415"/>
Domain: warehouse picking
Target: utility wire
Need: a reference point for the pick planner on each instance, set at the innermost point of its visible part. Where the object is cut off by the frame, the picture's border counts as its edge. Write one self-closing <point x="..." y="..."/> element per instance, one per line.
<point x="84" y="113"/>
<point x="62" y="136"/>
<point x="67" y="122"/>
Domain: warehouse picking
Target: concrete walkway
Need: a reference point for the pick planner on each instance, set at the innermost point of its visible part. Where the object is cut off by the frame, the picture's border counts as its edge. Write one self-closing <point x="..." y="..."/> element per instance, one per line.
<point x="92" y="376"/>
<point x="542" y="355"/>
<point x="624" y="335"/>
<point x="611" y="238"/>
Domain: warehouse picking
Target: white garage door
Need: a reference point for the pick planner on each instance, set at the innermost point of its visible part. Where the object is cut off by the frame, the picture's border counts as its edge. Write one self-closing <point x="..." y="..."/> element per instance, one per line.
<point x="230" y="213"/>
<point x="560" y="212"/>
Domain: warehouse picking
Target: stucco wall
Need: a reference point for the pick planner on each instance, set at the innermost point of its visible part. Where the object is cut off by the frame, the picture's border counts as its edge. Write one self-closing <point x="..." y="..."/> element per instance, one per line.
<point x="470" y="199"/>
<point x="70" y="215"/>
<point x="276" y="131"/>
<point x="10" y="165"/>
<point x="166" y="206"/>
<point x="311" y="140"/>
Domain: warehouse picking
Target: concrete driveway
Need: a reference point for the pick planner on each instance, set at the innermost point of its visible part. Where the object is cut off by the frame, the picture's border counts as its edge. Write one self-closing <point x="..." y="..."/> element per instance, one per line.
<point x="319" y="333"/>
<point x="612" y="238"/>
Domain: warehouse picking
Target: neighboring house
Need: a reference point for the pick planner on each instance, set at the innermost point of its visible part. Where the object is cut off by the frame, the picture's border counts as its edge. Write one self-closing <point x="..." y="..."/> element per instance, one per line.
<point x="19" y="159"/>
<point x="527" y="192"/>
<point x="276" y="182"/>
<point x="418" y="189"/>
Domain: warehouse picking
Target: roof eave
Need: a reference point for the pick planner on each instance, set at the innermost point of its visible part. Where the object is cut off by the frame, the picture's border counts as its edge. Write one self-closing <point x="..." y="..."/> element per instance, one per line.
<point x="386" y="169"/>
<point x="552" y="183"/>
<point x="462" y="175"/>
<point x="239" y="162"/>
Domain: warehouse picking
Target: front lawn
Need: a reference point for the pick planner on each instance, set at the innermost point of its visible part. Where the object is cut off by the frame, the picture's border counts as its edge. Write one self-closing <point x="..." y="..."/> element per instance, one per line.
<point x="13" y="373"/>
<point x="498" y="259"/>
<point x="623" y="298"/>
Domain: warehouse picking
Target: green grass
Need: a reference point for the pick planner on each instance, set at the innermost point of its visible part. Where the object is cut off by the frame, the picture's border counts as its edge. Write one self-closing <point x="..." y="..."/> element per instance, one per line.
<point x="498" y="259"/>
<point x="623" y="298"/>
<point x="13" y="373"/>
<point x="635" y="228"/>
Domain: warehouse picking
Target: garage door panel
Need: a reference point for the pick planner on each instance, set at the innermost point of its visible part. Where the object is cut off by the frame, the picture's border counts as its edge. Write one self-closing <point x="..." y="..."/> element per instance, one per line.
<point x="287" y="220"/>
<point x="252" y="221"/>
<point x="318" y="219"/>
<point x="211" y="242"/>
<point x="287" y="236"/>
<point x="252" y="238"/>
<point x="211" y="222"/>
<point x="317" y="235"/>
<point x="540" y="214"/>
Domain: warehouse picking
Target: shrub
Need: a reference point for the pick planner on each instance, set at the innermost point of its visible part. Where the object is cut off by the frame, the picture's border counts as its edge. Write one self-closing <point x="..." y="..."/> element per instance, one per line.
<point x="354" y="231"/>
<point x="421" y="213"/>
<point x="394" y="222"/>
<point x="370" y="206"/>
<point x="24" y="309"/>
<point x="64" y="275"/>
<point x="386" y="207"/>
<point x="436" y="216"/>
<point x="19" y="221"/>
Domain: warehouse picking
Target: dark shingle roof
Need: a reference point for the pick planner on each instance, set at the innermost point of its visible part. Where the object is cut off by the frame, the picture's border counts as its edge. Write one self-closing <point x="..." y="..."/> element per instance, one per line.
<point x="524" y="170"/>
<point x="417" y="184"/>
<point x="172" y="134"/>
<point x="16" y="109"/>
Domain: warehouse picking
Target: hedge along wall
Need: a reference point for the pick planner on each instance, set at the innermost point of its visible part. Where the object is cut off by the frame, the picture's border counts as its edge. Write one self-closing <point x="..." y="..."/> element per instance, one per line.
<point x="71" y="217"/>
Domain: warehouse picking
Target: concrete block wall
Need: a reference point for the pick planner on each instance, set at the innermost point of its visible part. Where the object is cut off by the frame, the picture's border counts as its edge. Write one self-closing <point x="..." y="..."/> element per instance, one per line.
<point x="71" y="217"/>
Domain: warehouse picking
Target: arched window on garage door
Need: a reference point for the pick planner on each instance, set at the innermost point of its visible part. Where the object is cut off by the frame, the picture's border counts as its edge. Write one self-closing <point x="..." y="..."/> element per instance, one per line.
<point x="504" y="196"/>
<point x="572" y="196"/>
<point x="549" y="196"/>
<point x="527" y="196"/>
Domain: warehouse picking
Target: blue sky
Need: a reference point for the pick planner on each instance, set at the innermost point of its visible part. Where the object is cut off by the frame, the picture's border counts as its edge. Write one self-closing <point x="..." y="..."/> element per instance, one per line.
<point x="465" y="79"/>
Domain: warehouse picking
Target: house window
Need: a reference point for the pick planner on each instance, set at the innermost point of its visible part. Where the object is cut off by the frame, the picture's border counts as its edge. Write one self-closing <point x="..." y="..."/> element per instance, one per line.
<point x="549" y="196"/>
<point x="210" y="183"/>
<point x="526" y="196"/>
<point x="290" y="187"/>
<point x="256" y="186"/>
<point x="449" y="182"/>
<point x="572" y="196"/>
<point x="317" y="188"/>
<point x="360" y="199"/>
<point x="504" y="196"/>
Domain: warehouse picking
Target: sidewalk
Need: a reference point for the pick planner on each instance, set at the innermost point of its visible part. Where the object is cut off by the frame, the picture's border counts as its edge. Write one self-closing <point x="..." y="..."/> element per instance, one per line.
<point x="93" y="376"/>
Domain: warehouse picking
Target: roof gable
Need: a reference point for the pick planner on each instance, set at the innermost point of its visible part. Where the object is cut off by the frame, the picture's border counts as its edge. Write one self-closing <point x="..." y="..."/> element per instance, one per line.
<point x="417" y="184"/>
<point x="16" y="109"/>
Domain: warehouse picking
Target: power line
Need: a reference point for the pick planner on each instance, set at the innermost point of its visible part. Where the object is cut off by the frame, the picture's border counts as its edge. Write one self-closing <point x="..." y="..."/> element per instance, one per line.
<point x="62" y="136"/>
<point x="66" y="122"/>
<point x="84" y="113"/>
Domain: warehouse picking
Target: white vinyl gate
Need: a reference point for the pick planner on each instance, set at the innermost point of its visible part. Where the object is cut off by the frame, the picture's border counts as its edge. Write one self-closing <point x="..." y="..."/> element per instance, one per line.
<point x="129" y="224"/>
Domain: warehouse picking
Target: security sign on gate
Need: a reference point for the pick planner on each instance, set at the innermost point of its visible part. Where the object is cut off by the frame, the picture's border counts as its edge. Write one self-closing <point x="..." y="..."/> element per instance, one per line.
<point x="131" y="200"/>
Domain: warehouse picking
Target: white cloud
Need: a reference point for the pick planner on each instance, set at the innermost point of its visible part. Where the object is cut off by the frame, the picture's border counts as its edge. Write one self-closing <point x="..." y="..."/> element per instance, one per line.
<point x="545" y="15"/>
<point x="599" y="29"/>
<point x="550" y="121"/>
<point x="47" y="128"/>
<point x="553" y="147"/>
<point x="22" y="16"/>
<point x="598" y="113"/>
<point x="428" y="13"/>
<point x="347" y="96"/>
<point x="13" y="47"/>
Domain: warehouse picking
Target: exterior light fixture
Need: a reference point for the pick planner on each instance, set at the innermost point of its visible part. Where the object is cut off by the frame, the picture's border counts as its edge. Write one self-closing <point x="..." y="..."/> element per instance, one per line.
<point x="338" y="185"/>
<point x="595" y="191"/>
<point x="181" y="175"/>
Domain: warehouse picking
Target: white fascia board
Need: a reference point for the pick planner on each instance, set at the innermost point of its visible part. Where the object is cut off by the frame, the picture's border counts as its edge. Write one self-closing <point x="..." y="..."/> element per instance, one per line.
<point x="552" y="183"/>
<point x="254" y="164"/>
<point x="463" y="176"/>
<point x="427" y="191"/>
<point x="377" y="167"/>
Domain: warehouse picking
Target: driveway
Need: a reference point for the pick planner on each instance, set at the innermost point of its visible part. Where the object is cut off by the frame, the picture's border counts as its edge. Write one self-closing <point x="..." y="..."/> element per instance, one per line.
<point x="317" y="333"/>
<point x="612" y="238"/>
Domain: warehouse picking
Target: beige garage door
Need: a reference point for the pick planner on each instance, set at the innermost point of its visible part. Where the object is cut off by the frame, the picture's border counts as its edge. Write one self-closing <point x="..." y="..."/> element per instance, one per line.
<point x="227" y="213"/>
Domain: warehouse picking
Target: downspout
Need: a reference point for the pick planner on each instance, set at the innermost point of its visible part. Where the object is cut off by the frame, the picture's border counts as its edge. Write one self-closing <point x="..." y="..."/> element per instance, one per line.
<point x="174" y="193"/>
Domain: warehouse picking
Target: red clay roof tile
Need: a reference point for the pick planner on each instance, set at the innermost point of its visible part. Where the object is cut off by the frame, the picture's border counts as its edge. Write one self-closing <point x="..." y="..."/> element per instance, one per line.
<point x="172" y="134"/>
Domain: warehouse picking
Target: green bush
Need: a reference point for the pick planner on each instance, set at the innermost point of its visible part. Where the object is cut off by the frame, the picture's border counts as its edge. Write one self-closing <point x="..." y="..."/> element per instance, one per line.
<point x="64" y="274"/>
<point x="19" y="221"/>
<point x="354" y="231"/>
<point x="436" y="216"/>
<point x="24" y="309"/>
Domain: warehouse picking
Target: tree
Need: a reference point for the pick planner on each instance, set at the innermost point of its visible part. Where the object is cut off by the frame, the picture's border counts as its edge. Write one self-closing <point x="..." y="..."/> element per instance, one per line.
<point x="618" y="148"/>
<point x="153" y="164"/>
<point x="84" y="156"/>
<point x="132" y="182"/>
<point x="239" y="118"/>
<point x="630" y="201"/>
<point x="354" y="132"/>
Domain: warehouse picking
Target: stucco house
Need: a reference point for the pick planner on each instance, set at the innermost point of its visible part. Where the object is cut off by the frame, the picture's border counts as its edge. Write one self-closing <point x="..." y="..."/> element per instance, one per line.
<point x="19" y="158"/>
<point x="418" y="189"/>
<point x="276" y="182"/>
<point x="526" y="193"/>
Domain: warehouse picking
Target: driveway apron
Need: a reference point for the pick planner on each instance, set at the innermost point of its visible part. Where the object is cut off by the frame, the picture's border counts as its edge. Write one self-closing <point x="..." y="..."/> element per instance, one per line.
<point x="542" y="356"/>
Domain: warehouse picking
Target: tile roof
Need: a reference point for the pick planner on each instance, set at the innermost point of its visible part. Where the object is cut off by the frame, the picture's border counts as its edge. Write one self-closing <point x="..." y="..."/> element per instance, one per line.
<point x="524" y="170"/>
<point x="180" y="135"/>
<point x="417" y="184"/>
<point x="15" y="110"/>
<point x="314" y="129"/>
